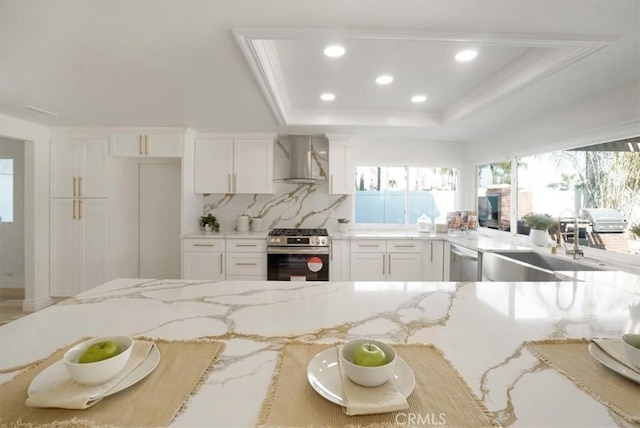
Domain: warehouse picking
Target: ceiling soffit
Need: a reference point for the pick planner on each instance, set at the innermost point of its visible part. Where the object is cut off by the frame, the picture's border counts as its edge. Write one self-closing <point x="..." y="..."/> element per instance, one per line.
<point x="542" y="55"/>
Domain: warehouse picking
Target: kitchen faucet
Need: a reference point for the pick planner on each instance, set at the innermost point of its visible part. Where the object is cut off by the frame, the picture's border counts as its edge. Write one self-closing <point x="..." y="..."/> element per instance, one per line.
<point x="576" y="251"/>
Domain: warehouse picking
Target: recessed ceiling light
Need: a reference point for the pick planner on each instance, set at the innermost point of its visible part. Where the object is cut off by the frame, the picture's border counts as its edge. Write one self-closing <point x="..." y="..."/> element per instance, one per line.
<point x="418" y="98"/>
<point x="327" y="97"/>
<point x="385" y="79"/>
<point x="38" y="110"/>
<point x="467" y="55"/>
<point x="334" y="51"/>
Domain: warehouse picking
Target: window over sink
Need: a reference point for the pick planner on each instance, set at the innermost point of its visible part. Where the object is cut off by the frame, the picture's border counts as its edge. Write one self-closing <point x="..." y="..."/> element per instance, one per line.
<point x="6" y="190"/>
<point x="398" y="195"/>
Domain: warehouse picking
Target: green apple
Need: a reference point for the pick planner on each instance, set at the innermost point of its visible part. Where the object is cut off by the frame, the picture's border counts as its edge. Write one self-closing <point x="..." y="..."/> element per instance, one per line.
<point x="369" y="355"/>
<point x="99" y="351"/>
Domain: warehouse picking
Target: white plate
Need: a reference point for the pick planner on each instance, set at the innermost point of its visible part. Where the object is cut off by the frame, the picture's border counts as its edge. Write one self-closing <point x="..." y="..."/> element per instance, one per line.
<point x="611" y="363"/>
<point x="57" y="373"/>
<point x="323" y="374"/>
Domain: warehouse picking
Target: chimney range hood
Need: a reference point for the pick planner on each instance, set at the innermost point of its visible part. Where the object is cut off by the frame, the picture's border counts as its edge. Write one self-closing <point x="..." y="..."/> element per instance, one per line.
<point x="304" y="159"/>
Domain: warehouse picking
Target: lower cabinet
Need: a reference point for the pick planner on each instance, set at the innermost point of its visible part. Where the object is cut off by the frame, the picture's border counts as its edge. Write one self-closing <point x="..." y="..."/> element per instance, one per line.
<point x="433" y="260"/>
<point x="218" y="259"/>
<point x="247" y="259"/>
<point x="79" y="245"/>
<point x="203" y="259"/>
<point x="339" y="260"/>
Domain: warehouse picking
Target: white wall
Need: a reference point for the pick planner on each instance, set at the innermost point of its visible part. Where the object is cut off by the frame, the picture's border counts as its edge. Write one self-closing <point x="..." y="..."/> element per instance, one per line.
<point x="12" y="234"/>
<point x="36" y="234"/>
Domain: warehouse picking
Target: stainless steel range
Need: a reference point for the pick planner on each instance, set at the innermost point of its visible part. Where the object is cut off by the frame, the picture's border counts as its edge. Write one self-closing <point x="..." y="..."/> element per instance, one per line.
<point x="298" y="255"/>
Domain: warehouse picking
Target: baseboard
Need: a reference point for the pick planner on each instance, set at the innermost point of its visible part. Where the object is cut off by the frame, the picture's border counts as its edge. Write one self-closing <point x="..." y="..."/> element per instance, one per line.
<point x="36" y="305"/>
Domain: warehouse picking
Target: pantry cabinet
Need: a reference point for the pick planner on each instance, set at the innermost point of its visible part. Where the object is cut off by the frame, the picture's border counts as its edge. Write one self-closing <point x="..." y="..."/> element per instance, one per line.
<point x="79" y="245"/>
<point x="233" y="165"/>
<point x="79" y="168"/>
<point x="341" y="177"/>
<point x="203" y="259"/>
<point x="146" y="145"/>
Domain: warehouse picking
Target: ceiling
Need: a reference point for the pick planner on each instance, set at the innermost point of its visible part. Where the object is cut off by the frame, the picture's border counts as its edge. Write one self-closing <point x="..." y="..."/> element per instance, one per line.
<point x="258" y="66"/>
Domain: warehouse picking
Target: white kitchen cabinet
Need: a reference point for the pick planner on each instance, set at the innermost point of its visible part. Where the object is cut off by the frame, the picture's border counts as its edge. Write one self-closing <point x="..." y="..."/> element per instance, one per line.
<point x="339" y="269"/>
<point x="146" y="145"/>
<point x="203" y="259"/>
<point x="386" y="260"/>
<point x="433" y="260"/>
<point x="79" y="168"/>
<point x="341" y="174"/>
<point x="246" y="259"/>
<point x="233" y="165"/>
<point x="79" y="245"/>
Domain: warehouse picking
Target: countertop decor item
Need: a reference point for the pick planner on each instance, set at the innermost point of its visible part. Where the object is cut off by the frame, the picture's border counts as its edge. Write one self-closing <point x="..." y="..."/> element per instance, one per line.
<point x="539" y="225"/>
<point x="210" y="223"/>
<point x="343" y="225"/>
<point x="243" y="223"/>
<point x="256" y="224"/>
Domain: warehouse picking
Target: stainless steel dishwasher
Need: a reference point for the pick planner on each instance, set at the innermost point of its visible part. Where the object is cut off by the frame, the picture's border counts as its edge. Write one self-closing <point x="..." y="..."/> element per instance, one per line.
<point x="464" y="264"/>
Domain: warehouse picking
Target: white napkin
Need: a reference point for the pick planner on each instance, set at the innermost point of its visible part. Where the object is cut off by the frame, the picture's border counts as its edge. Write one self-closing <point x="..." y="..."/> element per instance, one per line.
<point x="614" y="348"/>
<point x="362" y="400"/>
<point x="69" y="394"/>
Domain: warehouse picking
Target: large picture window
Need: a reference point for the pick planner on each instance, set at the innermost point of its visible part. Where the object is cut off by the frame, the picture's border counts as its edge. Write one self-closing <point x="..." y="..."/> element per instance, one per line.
<point x="399" y="195"/>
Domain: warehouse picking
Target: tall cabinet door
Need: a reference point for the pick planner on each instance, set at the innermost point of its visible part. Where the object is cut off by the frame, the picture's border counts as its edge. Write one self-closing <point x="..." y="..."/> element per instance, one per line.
<point x="93" y="169"/>
<point x="94" y="223"/>
<point x="64" y="157"/>
<point x="341" y="176"/>
<point x="253" y="166"/>
<point x="213" y="165"/>
<point x="65" y="248"/>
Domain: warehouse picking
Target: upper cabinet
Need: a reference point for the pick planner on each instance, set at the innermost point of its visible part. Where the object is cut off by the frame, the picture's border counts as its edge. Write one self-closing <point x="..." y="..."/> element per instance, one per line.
<point x="230" y="165"/>
<point x="79" y="168"/>
<point x="146" y="145"/>
<point x="341" y="177"/>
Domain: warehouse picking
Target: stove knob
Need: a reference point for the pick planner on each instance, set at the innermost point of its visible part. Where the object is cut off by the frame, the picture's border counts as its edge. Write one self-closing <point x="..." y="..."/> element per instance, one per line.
<point x="277" y="240"/>
<point x="323" y="241"/>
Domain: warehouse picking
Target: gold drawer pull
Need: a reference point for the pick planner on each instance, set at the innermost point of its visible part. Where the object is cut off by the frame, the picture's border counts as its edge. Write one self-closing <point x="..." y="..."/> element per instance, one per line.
<point x="246" y="264"/>
<point x="404" y="246"/>
<point x="246" y="245"/>
<point x="368" y="245"/>
<point x="204" y="245"/>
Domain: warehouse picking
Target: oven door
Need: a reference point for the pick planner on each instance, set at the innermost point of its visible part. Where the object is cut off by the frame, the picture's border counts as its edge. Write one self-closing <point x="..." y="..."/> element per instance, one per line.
<point x="298" y="264"/>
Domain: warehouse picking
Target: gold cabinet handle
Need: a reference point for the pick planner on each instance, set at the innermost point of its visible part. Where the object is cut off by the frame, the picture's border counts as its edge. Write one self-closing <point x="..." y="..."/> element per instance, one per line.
<point x="383" y="263"/>
<point x="246" y="245"/>
<point x="140" y="144"/>
<point x="368" y="245"/>
<point x="229" y="183"/>
<point x="74" y="187"/>
<point x="221" y="264"/>
<point x="431" y="258"/>
<point x="389" y="264"/>
<point x="246" y="264"/>
<point x="204" y="245"/>
<point x="74" y="209"/>
<point x="330" y="183"/>
<point x="79" y="186"/>
<point x="235" y="183"/>
<point x="404" y="246"/>
<point x="146" y="144"/>
<point x="79" y="209"/>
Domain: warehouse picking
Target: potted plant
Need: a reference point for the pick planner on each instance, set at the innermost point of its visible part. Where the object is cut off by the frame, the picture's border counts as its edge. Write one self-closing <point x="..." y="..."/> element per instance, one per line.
<point x="210" y="223"/>
<point x="539" y="225"/>
<point x="343" y="225"/>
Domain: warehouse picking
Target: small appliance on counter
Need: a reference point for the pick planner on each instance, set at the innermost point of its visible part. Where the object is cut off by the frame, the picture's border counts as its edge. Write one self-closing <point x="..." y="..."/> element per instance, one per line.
<point x="424" y="224"/>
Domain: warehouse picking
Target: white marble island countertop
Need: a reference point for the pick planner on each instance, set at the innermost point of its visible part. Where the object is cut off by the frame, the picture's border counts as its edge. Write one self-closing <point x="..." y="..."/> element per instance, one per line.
<point x="481" y="328"/>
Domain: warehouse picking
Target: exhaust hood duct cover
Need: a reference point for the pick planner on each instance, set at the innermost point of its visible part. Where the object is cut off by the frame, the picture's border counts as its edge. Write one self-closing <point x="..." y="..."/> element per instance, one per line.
<point x="301" y="161"/>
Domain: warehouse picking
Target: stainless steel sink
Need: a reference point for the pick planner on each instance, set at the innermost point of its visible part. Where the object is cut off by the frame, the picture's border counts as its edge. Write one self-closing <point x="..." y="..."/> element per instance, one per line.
<point x="528" y="266"/>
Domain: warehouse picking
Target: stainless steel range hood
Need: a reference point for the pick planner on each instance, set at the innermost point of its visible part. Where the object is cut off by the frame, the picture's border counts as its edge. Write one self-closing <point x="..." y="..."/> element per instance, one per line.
<point x="304" y="160"/>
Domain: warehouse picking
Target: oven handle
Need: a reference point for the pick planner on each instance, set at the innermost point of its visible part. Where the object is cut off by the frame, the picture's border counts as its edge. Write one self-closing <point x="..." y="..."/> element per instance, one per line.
<point x="298" y="250"/>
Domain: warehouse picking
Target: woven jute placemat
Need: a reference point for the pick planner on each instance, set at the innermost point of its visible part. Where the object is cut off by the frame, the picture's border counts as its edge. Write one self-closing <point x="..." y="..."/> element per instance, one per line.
<point x="440" y="396"/>
<point x="571" y="358"/>
<point x="154" y="401"/>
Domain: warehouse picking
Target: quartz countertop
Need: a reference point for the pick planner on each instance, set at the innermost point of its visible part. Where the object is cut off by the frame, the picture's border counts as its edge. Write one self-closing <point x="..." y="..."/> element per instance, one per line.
<point x="225" y="235"/>
<point x="481" y="328"/>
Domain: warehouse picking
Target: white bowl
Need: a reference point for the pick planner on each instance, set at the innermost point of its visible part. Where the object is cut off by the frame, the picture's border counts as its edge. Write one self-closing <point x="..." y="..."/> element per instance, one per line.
<point x="631" y="343"/>
<point x="100" y="371"/>
<point x="367" y="376"/>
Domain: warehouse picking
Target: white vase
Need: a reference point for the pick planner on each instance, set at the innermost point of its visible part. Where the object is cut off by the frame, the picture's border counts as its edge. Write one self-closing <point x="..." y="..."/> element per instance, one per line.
<point x="539" y="237"/>
<point x="343" y="227"/>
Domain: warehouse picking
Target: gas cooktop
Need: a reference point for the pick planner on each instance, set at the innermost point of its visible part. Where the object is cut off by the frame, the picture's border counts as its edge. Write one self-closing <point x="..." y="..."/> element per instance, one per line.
<point x="298" y="232"/>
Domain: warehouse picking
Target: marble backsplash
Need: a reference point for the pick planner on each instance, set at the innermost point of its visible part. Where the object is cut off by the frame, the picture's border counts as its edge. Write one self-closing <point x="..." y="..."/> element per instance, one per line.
<point x="292" y="205"/>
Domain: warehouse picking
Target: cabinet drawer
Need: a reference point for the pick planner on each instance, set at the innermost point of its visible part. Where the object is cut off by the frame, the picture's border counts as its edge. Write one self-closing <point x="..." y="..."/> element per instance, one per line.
<point x="368" y="246"/>
<point x="247" y="264"/>
<point x="246" y="245"/>
<point x="203" y="245"/>
<point x="404" y="246"/>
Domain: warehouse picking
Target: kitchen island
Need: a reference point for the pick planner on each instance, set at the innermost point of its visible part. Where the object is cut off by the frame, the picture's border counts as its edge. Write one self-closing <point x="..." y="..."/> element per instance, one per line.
<point x="480" y="327"/>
